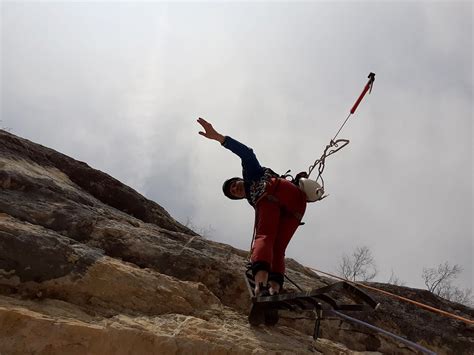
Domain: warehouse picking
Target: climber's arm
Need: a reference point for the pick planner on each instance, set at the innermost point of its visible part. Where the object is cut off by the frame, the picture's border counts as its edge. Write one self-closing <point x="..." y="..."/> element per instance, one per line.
<point x="249" y="160"/>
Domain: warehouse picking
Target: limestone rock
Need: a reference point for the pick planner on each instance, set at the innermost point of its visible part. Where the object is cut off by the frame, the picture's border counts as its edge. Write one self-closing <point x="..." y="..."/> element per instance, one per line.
<point x="54" y="327"/>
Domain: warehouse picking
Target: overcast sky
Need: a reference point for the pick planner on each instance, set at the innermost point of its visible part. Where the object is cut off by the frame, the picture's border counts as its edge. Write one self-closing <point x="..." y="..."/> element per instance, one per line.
<point x="120" y="85"/>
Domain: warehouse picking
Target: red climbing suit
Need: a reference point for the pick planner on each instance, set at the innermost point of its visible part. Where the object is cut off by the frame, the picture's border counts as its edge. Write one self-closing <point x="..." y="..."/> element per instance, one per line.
<point x="278" y="214"/>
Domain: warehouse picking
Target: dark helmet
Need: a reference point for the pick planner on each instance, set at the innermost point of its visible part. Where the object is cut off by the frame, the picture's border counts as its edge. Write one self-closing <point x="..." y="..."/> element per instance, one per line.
<point x="226" y="188"/>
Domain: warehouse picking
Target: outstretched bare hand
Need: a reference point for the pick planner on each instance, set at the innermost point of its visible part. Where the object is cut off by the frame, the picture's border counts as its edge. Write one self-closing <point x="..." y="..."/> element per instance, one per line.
<point x="209" y="131"/>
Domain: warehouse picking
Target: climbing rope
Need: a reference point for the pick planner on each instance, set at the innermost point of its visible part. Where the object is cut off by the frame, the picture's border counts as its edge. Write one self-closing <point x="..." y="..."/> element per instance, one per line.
<point x="416" y="303"/>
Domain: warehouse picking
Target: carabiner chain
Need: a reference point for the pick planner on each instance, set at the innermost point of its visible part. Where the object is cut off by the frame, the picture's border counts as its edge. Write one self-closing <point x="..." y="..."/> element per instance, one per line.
<point x="321" y="162"/>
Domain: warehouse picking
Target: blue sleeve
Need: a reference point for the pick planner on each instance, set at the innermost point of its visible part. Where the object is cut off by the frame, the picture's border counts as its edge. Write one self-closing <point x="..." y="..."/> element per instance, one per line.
<point x="250" y="165"/>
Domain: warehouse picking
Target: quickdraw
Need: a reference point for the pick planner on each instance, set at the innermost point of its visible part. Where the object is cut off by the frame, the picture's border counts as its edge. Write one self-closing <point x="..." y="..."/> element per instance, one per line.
<point x="321" y="162"/>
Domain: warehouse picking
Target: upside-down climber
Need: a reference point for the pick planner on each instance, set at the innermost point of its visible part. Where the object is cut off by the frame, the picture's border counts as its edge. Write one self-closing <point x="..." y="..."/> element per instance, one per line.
<point x="279" y="207"/>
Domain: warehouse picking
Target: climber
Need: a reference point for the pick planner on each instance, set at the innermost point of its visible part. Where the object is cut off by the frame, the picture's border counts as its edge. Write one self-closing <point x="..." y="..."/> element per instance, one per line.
<point x="279" y="207"/>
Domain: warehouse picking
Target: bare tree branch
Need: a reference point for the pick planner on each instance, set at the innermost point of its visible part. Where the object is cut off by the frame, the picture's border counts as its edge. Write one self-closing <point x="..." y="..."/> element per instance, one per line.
<point x="359" y="266"/>
<point x="455" y="294"/>
<point x="394" y="280"/>
<point x="204" y="232"/>
<point x="438" y="280"/>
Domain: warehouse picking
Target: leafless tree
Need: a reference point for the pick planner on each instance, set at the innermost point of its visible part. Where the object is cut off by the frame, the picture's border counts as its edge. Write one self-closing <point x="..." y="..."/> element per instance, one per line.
<point x="204" y="232"/>
<point x="360" y="265"/>
<point x="394" y="280"/>
<point x="456" y="294"/>
<point x="438" y="280"/>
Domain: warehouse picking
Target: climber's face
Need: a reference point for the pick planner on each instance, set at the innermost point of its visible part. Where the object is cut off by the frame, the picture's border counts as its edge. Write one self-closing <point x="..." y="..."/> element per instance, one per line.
<point x="237" y="189"/>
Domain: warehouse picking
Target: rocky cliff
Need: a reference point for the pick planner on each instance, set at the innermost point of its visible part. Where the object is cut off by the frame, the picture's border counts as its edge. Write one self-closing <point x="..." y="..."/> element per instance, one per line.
<point x="90" y="266"/>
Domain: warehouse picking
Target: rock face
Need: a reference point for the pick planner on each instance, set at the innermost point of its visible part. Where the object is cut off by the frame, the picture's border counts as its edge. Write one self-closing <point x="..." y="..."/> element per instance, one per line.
<point x="89" y="266"/>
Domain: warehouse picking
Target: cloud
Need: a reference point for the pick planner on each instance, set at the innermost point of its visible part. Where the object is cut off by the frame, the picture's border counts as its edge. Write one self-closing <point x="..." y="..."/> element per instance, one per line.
<point x="120" y="86"/>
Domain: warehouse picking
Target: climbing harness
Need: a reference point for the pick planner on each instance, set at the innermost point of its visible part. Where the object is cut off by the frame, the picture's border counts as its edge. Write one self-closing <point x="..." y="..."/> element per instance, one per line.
<point x="334" y="146"/>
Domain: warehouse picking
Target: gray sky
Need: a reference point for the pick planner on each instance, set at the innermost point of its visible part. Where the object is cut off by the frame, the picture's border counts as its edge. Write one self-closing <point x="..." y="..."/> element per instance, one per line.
<point x="119" y="85"/>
